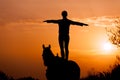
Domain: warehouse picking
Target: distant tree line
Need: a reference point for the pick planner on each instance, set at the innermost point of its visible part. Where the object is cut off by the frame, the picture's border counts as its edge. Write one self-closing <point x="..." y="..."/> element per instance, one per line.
<point x="4" y="76"/>
<point x="113" y="74"/>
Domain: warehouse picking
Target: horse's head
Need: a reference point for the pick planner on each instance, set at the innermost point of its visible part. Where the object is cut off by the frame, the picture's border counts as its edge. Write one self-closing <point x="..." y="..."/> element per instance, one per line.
<point x="47" y="55"/>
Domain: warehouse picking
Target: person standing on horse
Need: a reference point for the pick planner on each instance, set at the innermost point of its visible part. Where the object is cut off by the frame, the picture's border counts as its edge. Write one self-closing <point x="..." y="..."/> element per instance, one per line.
<point x="64" y="26"/>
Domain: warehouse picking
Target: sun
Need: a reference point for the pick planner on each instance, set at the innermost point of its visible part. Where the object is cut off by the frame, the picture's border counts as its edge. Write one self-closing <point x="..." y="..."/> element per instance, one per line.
<point x="107" y="46"/>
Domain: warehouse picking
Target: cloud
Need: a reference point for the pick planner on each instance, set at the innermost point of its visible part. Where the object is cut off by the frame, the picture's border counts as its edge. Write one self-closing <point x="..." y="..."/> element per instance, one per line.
<point x="103" y="21"/>
<point x="12" y="11"/>
<point x="4" y="22"/>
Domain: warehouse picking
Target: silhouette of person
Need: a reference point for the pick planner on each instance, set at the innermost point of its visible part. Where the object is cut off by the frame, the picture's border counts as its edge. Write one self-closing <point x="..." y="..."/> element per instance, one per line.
<point x="64" y="25"/>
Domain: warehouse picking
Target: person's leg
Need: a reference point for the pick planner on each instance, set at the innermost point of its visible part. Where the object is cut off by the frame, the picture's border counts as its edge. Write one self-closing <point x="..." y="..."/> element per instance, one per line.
<point x="61" y="46"/>
<point x="66" y="47"/>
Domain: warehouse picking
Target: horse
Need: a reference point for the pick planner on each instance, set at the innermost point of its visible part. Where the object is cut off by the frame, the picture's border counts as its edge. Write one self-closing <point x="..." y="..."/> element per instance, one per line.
<point x="59" y="68"/>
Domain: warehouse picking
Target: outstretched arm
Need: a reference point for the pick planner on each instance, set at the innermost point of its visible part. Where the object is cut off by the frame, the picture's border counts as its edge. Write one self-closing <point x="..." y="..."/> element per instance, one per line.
<point x="78" y="23"/>
<point x="51" y="21"/>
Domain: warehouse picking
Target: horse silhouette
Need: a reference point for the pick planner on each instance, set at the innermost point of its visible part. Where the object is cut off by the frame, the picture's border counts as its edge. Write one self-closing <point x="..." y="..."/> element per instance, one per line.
<point x="59" y="68"/>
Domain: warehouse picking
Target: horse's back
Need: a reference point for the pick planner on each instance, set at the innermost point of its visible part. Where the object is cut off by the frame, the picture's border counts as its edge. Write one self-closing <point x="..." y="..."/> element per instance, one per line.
<point x="64" y="69"/>
<point x="74" y="70"/>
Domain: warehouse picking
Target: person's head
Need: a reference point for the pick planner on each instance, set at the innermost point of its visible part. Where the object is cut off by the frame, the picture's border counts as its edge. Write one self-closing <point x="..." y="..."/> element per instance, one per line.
<point x="64" y="14"/>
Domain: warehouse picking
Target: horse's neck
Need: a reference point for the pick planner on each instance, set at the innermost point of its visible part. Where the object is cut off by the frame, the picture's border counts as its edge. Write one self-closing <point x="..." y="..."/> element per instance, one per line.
<point x="51" y="53"/>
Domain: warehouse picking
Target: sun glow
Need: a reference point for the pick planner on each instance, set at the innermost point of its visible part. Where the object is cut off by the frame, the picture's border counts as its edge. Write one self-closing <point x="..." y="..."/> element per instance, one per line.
<point x="108" y="47"/>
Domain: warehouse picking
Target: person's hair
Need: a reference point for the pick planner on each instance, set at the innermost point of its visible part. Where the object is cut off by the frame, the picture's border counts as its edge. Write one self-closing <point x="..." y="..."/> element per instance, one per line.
<point x="64" y="13"/>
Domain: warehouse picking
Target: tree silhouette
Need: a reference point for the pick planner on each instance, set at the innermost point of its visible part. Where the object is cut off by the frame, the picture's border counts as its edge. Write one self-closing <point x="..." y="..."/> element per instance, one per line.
<point x="3" y="76"/>
<point x="114" y="32"/>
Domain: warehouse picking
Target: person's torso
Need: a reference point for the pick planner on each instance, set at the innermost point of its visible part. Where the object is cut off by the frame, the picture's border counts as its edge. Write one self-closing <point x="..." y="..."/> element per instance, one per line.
<point x="64" y="25"/>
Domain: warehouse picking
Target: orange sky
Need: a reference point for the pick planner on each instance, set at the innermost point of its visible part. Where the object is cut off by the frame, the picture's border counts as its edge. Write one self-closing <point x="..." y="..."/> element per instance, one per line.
<point x="22" y="34"/>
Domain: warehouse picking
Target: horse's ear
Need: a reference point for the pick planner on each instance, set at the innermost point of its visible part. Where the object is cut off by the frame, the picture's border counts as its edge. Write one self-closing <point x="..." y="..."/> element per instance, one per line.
<point x="43" y="46"/>
<point x="49" y="46"/>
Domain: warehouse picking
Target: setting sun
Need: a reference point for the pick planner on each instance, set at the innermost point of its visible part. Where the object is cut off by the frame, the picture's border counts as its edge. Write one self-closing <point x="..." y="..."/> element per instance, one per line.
<point x="107" y="46"/>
